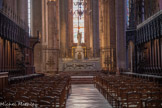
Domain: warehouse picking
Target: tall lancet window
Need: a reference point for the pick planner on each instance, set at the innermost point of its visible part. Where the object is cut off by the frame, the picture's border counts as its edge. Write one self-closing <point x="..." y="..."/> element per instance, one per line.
<point x="29" y="16"/>
<point x="128" y="7"/>
<point x="78" y="22"/>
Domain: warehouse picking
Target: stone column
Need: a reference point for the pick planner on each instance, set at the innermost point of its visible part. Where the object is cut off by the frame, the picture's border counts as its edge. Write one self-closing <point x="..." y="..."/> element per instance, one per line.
<point x="44" y="17"/>
<point x="70" y="25"/>
<point x="107" y="34"/>
<point x="36" y="17"/>
<point x="120" y="35"/>
<point x="160" y="4"/>
<point x="52" y="24"/>
<point x="102" y="30"/>
<point x="63" y="7"/>
<point x="22" y="10"/>
<point x="88" y="27"/>
<point x="91" y="28"/>
<point x="95" y="11"/>
<point x="15" y="7"/>
<point x="36" y="25"/>
<point x="52" y="57"/>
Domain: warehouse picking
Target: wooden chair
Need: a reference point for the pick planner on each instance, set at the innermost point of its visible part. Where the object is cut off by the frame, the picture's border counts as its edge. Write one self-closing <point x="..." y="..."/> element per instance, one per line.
<point x="133" y="100"/>
<point x="46" y="101"/>
<point x="49" y="92"/>
<point x="153" y="103"/>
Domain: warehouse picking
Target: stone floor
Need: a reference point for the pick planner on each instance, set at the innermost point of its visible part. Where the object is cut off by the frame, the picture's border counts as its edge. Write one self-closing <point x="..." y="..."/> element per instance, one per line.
<point x="86" y="96"/>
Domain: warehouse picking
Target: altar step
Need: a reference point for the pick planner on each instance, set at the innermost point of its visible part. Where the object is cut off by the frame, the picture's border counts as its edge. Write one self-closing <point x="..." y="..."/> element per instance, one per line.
<point x="82" y="80"/>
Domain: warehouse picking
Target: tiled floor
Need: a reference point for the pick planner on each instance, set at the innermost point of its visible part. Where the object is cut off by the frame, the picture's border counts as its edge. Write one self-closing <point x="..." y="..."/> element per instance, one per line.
<point x="86" y="96"/>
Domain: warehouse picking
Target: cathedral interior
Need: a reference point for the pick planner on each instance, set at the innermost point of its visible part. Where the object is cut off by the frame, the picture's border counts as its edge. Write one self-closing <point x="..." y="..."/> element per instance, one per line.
<point x="81" y="53"/>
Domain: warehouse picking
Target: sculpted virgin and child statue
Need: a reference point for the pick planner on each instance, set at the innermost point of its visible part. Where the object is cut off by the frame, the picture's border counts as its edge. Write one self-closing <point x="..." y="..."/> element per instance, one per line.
<point x="79" y="38"/>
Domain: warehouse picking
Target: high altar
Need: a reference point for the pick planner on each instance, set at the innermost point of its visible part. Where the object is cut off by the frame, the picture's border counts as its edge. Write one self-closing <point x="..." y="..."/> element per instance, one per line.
<point x="79" y="63"/>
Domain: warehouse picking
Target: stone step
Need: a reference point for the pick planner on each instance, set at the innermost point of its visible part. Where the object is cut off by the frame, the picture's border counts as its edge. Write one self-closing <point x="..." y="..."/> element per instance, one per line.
<point x="82" y="79"/>
<point x="82" y="82"/>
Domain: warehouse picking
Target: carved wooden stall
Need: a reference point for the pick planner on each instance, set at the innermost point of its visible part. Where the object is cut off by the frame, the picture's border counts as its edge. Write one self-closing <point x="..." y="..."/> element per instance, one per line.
<point x="15" y="50"/>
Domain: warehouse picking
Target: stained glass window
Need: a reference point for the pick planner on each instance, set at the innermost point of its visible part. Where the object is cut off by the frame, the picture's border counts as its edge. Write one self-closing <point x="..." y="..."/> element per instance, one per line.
<point x="128" y="12"/>
<point x="1" y="1"/>
<point x="29" y="15"/>
<point x="75" y="22"/>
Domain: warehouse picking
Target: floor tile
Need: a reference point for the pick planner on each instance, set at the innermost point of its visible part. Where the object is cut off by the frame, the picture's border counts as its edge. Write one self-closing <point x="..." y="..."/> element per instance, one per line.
<point x="86" y="96"/>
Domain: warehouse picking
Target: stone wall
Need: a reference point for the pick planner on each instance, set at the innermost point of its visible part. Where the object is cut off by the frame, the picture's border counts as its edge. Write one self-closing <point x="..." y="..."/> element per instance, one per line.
<point x="46" y="21"/>
<point x="160" y="4"/>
